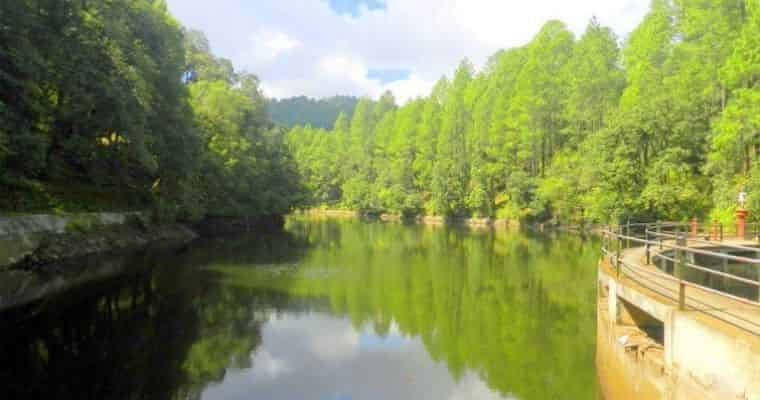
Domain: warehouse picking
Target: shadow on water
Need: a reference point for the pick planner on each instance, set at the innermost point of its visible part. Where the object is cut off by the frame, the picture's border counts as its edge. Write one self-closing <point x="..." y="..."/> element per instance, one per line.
<point x="163" y="330"/>
<point x="508" y="315"/>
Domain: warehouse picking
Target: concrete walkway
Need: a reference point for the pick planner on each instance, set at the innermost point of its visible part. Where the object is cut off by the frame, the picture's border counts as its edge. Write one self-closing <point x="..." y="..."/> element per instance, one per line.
<point x="737" y="313"/>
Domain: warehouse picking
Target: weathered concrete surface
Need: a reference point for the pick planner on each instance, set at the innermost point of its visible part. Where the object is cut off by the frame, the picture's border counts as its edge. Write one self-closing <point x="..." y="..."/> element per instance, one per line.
<point x="623" y="373"/>
<point x="44" y="254"/>
<point x="705" y="355"/>
<point x="20" y="235"/>
<point x="27" y="224"/>
<point x="62" y="247"/>
<point x="15" y="247"/>
<point x="721" y="360"/>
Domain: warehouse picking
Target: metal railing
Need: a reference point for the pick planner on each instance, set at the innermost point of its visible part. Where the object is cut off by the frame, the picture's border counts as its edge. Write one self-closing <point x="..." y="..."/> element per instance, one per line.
<point x="689" y="255"/>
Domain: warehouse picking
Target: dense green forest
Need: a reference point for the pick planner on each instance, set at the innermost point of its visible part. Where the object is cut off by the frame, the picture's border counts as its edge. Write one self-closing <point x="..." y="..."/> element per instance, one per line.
<point x="116" y="105"/>
<point x="113" y="104"/>
<point x="663" y="124"/>
<point x="319" y="113"/>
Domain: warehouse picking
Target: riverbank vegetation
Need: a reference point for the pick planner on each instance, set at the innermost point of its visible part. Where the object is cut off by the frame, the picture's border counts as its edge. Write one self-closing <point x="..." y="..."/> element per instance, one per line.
<point x="114" y="105"/>
<point x="661" y="125"/>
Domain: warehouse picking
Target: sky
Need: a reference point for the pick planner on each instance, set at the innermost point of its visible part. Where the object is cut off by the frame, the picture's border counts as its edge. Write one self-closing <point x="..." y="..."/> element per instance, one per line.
<point x="321" y="48"/>
<point x="318" y="356"/>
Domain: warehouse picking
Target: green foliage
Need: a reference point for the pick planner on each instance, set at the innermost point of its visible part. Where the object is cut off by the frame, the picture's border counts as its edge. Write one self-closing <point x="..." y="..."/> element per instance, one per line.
<point x="92" y="97"/>
<point x="118" y="96"/>
<point x="572" y="130"/>
<point x="321" y="113"/>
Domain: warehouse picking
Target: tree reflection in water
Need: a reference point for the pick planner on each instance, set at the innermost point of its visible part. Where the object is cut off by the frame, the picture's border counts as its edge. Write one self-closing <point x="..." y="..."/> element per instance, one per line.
<point x="164" y="331"/>
<point x="516" y="309"/>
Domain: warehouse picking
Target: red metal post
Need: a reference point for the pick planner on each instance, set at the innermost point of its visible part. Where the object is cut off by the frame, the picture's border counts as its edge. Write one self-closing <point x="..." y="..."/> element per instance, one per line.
<point x="741" y="222"/>
<point x="714" y="231"/>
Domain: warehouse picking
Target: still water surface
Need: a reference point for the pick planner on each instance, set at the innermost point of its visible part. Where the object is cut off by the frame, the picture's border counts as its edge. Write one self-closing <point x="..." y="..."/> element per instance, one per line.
<point x="329" y="310"/>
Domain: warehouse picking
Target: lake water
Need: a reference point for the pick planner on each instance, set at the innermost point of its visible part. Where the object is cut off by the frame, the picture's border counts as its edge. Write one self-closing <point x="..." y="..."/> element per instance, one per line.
<point x="329" y="310"/>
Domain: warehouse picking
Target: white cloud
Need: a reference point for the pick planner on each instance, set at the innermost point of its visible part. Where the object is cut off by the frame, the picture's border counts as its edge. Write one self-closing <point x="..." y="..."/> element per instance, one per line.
<point x="337" y="345"/>
<point x="281" y="42"/>
<point x="303" y="47"/>
<point x="345" y="67"/>
<point x="409" y="88"/>
<point x="267" y="45"/>
<point x="472" y="387"/>
<point x="266" y="367"/>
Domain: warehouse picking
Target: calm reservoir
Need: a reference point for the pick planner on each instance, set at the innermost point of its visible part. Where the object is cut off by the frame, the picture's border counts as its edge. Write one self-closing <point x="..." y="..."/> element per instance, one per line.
<point x="328" y="310"/>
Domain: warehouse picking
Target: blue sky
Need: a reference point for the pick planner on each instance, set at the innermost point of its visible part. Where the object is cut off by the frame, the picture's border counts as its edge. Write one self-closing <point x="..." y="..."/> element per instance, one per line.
<point x="321" y="48"/>
<point x="354" y="7"/>
<point x="389" y="75"/>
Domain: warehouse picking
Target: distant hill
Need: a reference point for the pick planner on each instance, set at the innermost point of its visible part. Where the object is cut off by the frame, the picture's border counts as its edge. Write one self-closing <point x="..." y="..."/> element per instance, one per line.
<point x="303" y="110"/>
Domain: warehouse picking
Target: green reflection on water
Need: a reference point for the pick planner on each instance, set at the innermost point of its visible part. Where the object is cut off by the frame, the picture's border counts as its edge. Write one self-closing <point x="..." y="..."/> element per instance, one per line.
<point x="514" y="309"/>
<point x="517" y="309"/>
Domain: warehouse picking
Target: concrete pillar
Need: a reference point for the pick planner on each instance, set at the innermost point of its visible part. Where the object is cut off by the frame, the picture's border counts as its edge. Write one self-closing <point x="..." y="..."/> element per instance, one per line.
<point x="741" y="222"/>
<point x="668" y="341"/>
<point x="714" y="231"/>
<point x="612" y="299"/>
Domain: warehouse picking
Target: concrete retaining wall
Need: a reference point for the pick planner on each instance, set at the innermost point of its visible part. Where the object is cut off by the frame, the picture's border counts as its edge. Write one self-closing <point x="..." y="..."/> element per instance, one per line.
<point x="28" y="224"/>
<point x="719" y="360"/>
<point x="624" y="375"/>
<point x="20" y="235"/>
<point x="703" y="357"/>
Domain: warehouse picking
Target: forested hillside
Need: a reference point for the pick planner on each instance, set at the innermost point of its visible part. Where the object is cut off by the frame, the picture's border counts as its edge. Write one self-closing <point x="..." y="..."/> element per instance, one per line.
<point x="113" y="104"/>
<point x="303" y="110"/>
<point x="663" y="125"/>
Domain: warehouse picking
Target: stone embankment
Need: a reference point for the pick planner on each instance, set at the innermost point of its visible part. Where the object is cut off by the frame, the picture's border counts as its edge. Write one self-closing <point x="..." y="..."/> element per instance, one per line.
<point x="35" y="241"/>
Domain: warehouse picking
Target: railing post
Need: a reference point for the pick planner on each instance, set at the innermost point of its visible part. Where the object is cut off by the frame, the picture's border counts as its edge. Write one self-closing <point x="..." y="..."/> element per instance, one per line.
<point x="649" y="254"/>
<point x="659" y="231"/>
<point x="620" y="238"/>
<point x="617" y="253"/>
<point x="628" y="234"/>
<point x="724" y="280"/>
<point x="647" y="245"/>
<point x="678" y="269"/>
<point x="606" y="245"/>
<point x="721" y="232"/>
<point x="714" y="280"/>
<point x="679" y="257"/>
<point x="714" y="230"/>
